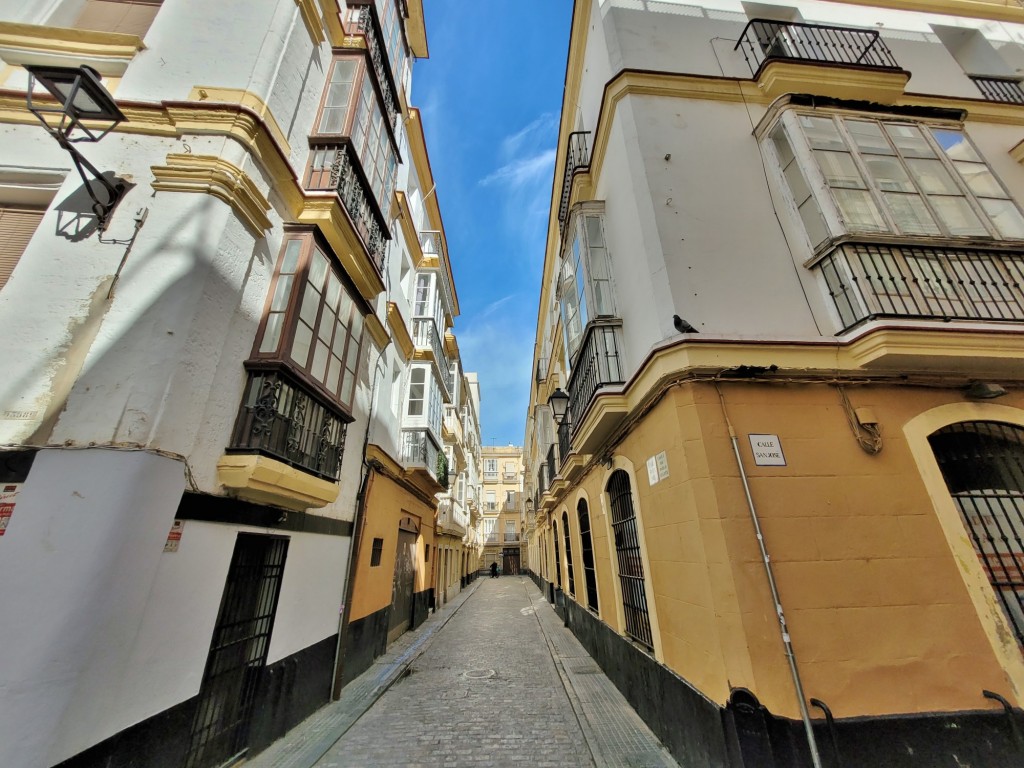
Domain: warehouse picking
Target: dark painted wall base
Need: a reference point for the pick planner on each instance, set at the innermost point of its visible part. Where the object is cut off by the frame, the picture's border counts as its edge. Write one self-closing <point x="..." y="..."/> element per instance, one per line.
<point x="289" y="691"/>
<point x="367" y="638"/>
<point x="744" y="734"/>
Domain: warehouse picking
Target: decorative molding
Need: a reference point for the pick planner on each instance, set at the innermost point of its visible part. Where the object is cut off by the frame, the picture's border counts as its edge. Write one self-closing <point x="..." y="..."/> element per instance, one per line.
<point x="451" y="345"/>
<point x="310" y="17"/>
<point x="415" y="30"/>
<point x="331" y="16"/>
<point x="214" y="176"/>
<point x="401" y="210"/>
<point x="995" y="10"/>
<point x="377" y="331"/>
<point x="243" y="98"/>
<point x="109" y="53"/>
<point x="883" y="86"/>
<point x="264" y="480"/>
<point x="400" y="331"/>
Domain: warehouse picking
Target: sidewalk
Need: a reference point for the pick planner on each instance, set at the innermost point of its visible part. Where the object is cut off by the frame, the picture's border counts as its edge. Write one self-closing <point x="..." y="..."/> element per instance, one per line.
<point x="493" y="679"/>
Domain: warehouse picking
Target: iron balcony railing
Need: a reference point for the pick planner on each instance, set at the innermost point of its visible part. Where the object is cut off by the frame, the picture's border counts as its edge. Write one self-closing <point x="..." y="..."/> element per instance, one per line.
<point x="368" y="25"/>
<point x="577" y="157"/>
<point x="279" y="417"/>
<point x="419" y="450"/>
<point x="551" y="462"/>
<point x="511" y="538"/>
<point x="426" y="336"/>
<point x="868" y="281"/>
<point x="765" y="40"/>
<point x="336" y="167"/>
<point x="1007" y="89"/>
<point x="564" y="441"/>
<point x="597" y="364"/>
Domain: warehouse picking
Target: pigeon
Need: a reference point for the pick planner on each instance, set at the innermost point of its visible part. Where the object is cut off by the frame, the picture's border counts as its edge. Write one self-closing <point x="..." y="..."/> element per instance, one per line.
<point x="682" y="326"/>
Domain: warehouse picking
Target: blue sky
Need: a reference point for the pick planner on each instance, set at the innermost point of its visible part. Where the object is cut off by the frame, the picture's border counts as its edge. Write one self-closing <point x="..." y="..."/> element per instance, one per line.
<point x="490" y="96"/>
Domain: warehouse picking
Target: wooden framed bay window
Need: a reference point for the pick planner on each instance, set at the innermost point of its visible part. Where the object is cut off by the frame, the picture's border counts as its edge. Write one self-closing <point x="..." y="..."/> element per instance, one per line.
<point x="312" y="321"/>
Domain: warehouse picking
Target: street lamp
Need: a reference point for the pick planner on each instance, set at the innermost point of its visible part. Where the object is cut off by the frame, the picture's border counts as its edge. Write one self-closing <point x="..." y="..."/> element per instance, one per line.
<point x="558" y="403"/>
<point x="80" y="96"/>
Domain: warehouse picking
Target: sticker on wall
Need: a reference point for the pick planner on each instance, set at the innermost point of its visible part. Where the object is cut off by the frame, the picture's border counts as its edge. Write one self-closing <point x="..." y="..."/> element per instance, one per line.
<point x="767" y="450"/>
<point x="174" y="537"/>
<point x="7" y="495"/>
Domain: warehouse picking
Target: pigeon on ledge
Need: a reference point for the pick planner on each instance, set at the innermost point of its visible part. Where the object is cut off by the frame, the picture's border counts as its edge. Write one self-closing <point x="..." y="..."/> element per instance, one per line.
<point x="682" y="326"/>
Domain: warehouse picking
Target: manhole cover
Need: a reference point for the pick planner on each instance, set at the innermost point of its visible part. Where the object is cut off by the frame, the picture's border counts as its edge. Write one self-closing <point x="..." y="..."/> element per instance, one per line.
<point x="478" y="674"/>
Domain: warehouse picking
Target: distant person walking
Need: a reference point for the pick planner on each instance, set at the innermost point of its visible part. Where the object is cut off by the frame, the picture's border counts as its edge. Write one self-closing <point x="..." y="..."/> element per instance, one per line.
<point x="494" y="570"/>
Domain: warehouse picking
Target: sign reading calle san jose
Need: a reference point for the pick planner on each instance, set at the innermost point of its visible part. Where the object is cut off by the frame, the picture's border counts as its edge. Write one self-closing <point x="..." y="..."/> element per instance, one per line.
<point x="767" y="450"/>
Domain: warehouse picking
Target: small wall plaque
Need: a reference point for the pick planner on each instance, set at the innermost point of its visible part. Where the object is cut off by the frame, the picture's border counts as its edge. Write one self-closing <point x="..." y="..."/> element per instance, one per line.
<point x="767" y="450"/>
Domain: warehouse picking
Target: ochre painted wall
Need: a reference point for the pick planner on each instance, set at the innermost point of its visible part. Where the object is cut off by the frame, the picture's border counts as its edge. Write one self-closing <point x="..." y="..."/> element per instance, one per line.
<point x="387" y="503"/>
<point x="878" y="606"/>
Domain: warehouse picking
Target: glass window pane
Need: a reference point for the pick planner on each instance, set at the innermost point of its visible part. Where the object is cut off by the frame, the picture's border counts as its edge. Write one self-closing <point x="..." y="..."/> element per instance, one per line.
<point x="782" y="148"/>
<point x="348" y="384"/>
<point x="859" y="211"/>
<point x="352" y="359"/>
<point x="318" y="269"/>
<point x="339" y="340"/>
<point x="272" y="333"/>
<point x="909" y="140"/>
<point x="327" y="320"/>
<point x="595" y="236"/>
<point x="958" y="216"/>
<point x="821" y="132"/>
<point x="797" y="183"/>
<point x="300" y="344"/>
<point x="980" y="179"/>
<point x="839" y="170"/>
<point x="889" y="174"/>
<point x="291" y="257"/>
<point x="911" y="214"/>
<point x="955" y="144"/>
<point x="933" y="177"/>
<point x="813" y="221"/>
<point x="1006" y="216"/>
<point x="282" y="293"/>
<point x="333" y="374"/>
<point x="333" y="290"/>
<point x="869" y="137"/>
<point x="319" y="367"/>
<point x="310" y="305"/>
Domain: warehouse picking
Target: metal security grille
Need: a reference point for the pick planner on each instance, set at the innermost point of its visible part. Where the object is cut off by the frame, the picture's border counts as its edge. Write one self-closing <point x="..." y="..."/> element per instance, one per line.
<point x="238" y="651"/>
<point x="982" y="463"/>
<point x="631" y="567"/>
<point x="568" y="552"/>
<point x="589" y="571"/>
<point x="558" y="561"/>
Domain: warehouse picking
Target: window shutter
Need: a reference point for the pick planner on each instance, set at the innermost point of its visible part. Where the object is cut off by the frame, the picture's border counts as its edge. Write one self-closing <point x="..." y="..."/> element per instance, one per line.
<point x="17" y="225"/>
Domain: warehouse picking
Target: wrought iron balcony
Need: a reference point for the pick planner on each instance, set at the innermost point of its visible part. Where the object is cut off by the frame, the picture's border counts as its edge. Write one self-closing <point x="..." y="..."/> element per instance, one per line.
<point x="368" y="25"/>
<point x="543" y="480"/>
<point x="869" y="281"/>
<point x="336" y="167"/>
<point x="511" y="538"/>
<point x="597" y="364"/>
<point x="765" y="40"/>
<point x="280" y="418"/>
<point x="426" y="336"/>
<point x="420" y="451"/>
<point x="1007" y="89"/>
<point x="577" y="157"/>
<point x="564" y="441"/>
<point x="551" y="462"/>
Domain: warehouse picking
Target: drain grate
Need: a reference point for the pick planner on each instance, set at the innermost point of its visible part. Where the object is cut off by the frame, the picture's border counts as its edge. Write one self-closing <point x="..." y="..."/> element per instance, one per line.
<point x="478" y="674"/>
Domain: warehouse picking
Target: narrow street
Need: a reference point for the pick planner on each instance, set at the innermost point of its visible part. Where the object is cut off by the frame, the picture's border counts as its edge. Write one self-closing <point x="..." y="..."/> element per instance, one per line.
<point x="498" y="681"/>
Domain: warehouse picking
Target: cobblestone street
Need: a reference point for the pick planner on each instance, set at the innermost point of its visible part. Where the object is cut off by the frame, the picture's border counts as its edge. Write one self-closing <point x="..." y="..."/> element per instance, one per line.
<point x="498" y="681"/>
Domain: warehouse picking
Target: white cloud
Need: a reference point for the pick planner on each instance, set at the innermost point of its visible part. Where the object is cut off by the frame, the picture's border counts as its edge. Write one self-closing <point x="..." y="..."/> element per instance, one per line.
<point x="523" y="171"/>
<point x="540" y="131"/>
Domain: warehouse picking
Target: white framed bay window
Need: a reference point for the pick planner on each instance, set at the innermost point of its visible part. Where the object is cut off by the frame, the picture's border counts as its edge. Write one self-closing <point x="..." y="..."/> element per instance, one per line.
<point x="584" y="290"/>
<point x="867" y="174"/>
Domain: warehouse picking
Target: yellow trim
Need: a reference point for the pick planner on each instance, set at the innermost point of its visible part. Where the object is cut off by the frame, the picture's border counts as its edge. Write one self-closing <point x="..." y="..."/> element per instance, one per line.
<point x="399" y="331"/>
<point x="332" y="23"/>
<point x="244" y="98"/>
<point x="307" y="9"/>
<point x="377" y="331"/>
<point x="107" y="52"/>
<point x="415" y="30"/>
<point x="986" y="604"/>
<point x="417" y="481"/>
<point x="451" y="345"/>
<point x="778" y="78"/>
<point x="214" y="176"/>
<point x="995" y="10"/>
<point x="267" y="481"/>
<point x="327" y="214"/>
<point x="412" y="239"/>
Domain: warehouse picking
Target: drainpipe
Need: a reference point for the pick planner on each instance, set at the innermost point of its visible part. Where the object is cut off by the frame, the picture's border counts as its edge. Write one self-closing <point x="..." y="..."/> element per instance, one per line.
<point x="786" y="642"/>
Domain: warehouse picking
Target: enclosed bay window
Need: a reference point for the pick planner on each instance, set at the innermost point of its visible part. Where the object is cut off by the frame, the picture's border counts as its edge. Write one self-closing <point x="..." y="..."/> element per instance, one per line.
<point x="892" y="177"/>
<point x="312" y="322"/>
<point x="351" y="108"/>
<point x="584" y="289"/>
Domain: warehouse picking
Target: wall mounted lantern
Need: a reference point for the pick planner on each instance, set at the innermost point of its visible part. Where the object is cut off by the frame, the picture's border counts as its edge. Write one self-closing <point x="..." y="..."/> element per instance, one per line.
<point x="558" y="402"/>
<point x="80" y="97"/>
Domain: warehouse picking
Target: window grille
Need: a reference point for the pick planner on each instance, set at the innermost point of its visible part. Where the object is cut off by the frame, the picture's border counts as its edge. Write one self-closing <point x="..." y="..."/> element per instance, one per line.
<point x="982" y="463"/>
<point x="568" y="553"/>
<point x="631" y="568"/>
<point x="589" y="571"/>
<point x="375" y="552"/>
<point x="558" y="562"/>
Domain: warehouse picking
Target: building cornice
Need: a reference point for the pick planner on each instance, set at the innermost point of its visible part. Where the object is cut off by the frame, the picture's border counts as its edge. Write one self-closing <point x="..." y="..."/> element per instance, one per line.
<point x="107" y="52"/>
<point x="399" y="331"/>
<point x="993" y="10"/>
